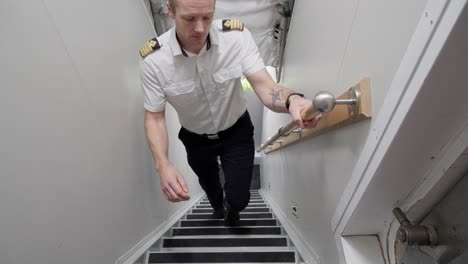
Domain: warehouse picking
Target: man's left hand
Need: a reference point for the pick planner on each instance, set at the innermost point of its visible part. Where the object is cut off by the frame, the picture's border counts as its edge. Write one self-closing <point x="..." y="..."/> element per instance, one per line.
<point x="296" y="106"/>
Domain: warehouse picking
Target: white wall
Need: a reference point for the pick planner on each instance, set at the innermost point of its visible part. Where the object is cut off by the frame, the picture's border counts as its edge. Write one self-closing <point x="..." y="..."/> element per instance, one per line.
<point x="331" y="46"/>
<point x="77" y="180"/>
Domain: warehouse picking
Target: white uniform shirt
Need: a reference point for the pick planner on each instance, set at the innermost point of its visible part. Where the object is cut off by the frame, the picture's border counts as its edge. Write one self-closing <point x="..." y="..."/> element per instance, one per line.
<point x="205" y="89"/>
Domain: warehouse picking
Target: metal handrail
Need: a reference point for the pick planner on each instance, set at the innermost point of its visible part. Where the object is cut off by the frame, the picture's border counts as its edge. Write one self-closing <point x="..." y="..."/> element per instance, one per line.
<point x="323" y="102"/>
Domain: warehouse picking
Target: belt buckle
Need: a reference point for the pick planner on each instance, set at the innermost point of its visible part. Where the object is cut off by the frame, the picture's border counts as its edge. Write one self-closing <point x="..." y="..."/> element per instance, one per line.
<point x="212" y="136"/>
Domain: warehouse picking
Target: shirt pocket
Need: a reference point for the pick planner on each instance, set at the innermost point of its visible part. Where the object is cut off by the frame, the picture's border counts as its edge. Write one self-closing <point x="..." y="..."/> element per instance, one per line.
<point x="180" y="88"/>
<point x="225" y="79"/>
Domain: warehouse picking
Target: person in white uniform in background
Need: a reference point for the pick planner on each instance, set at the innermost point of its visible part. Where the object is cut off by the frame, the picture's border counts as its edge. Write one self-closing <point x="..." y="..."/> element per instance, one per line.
<point x="197" y="68"/>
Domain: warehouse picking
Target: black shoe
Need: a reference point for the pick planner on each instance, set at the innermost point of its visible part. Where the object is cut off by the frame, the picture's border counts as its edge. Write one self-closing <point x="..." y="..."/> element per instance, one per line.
<point x="232" y="218"/>
<point x="218" y="214"/>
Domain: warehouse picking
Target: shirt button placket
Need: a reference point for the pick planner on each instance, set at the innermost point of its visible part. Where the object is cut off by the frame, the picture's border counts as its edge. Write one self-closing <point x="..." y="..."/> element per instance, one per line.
<point x="206" y="87"/>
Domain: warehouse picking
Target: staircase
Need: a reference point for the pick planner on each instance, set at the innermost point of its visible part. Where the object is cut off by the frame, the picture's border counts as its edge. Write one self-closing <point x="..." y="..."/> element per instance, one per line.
<point x="197" y="238"/>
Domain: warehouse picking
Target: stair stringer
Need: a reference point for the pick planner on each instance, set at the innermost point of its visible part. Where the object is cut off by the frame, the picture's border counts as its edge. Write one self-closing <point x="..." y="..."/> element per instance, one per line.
<point x="300" y="244"/>
<point x="141" y="248"/>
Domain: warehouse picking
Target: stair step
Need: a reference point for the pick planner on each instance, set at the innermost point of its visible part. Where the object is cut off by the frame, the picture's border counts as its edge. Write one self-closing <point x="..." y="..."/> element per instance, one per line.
<point x="244" y="230"/>
<point x="223" y="255"/>
<point x="251" y="195"/>
<point x="250" y="202"/>
<point x="251" y="210"/>
<point x="251" y="192"/>
<point x="207" y="206"/>
<point x="220" y="222"/>
<point x="226" y="241"/>
<point x="251" y="199"/>
<point x="242" y="215"/>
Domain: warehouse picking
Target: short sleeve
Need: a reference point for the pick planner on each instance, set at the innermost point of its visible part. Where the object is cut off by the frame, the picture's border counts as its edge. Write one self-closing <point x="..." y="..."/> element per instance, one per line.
<point x="154" y="98"/>
<point x="252" y="62"/>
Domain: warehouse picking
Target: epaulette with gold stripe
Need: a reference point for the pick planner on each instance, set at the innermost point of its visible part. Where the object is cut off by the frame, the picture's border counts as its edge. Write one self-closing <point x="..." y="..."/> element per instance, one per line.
<point x="232" y="24"/>
<point x="149" y="47"/>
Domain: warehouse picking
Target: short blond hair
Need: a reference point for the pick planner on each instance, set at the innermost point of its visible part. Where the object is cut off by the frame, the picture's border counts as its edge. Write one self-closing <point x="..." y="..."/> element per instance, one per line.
<point x="172" y="3"/>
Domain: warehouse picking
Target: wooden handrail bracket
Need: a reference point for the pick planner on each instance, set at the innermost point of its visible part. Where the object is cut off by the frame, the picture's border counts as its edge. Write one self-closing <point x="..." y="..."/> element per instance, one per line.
<point x="339" y="117"/>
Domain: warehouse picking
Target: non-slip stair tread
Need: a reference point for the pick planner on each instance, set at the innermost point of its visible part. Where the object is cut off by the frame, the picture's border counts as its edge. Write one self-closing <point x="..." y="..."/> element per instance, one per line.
<point x="232" y="262"/>
<point x="257" y="202"/>
<point x="227" y="236"/>
<point x="221" y="230"/>
<point x="256" y="194"/>
<point x="218" y="227"/>
<point x="251" y="202"/>
<point x="251" y="198"/>
<point x="225" y="249"/>
<point x="226" y="242"/>
<point x="251" y="195"/>
<point x="237" y="256"/>
<point x="207" y="220"/>
<point x="242" y="215"/>
<point x="220" y="222"/>
<point x="250" y="205"/>
<point x="210" y="210"/>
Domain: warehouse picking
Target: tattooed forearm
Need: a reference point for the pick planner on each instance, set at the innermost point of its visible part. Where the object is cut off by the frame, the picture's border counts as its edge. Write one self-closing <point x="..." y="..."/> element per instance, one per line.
<point x="276" y="97"/>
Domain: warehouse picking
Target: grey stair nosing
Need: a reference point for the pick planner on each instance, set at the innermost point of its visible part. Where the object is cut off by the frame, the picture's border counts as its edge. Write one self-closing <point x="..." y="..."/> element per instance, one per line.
<point x="261" y="207"/>
<point x="250" y="210"/>
<point x="210" y="221"/>
<point x="224" y="249"/>
<point x="194" y="219"/>
<point x="250" y="200"/>
<point x="220" y="257"/>
<point x="226" y="236"/>
<point x="222" y="227"/>
<point x="201" y="220"/>
<point x="240" y="213"/>
<point x="243" y="222"/>
<point x="250" y="204"/>
<point x="227" y="231"/>
<point x="252" y="194"/>
<point x="248" y="207"/>
<point x="251" y="215"/>
<point x="293" y="262"/>
<point x="225" y="242"/>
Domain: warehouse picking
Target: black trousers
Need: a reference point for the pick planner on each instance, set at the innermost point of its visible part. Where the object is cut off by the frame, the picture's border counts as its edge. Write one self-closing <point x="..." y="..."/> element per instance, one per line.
<point x="235" y="147"/>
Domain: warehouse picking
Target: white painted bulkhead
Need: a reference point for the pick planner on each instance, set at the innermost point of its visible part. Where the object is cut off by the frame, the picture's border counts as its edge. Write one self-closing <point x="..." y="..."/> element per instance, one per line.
<point x="77" y="183"/>
<point x="331" y="46"/>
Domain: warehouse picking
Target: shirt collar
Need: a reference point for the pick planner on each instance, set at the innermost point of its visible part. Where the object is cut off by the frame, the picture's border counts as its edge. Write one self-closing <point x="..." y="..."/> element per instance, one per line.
<point x="174" y="43"/>
<point x="177" y="49"/>
<point x="214" y="34"/>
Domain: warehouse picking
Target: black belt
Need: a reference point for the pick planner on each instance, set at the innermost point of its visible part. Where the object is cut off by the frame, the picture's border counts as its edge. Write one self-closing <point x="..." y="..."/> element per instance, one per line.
<point x="220" y="133"/>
